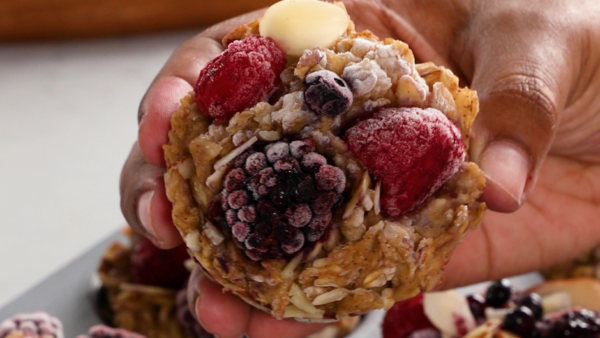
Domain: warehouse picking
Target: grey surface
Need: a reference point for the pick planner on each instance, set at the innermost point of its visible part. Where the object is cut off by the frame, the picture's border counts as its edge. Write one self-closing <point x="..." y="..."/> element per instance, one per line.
<point x="67" y="294"/>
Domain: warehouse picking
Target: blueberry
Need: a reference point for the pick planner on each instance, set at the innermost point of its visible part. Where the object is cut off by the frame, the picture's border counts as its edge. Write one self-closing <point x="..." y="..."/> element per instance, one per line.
<point x="581" y="324"/>
<point x="327" y="94"/>
<point x="498" y="293"/>
<point x="520" y="320"/>
<point x="532" y="301"/>
<point x="477" y="306"/>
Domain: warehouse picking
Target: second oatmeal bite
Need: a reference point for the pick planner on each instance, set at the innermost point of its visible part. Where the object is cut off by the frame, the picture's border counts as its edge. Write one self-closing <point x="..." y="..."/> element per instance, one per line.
<point x="322" y="184"/>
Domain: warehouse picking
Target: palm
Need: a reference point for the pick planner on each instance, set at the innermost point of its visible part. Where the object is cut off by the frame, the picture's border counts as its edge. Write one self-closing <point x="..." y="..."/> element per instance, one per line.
<point x="559" y="219"/>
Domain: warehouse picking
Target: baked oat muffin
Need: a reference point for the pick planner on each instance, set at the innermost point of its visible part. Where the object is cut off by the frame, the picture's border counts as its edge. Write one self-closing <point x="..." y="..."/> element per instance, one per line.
<point x="321" y="176"/>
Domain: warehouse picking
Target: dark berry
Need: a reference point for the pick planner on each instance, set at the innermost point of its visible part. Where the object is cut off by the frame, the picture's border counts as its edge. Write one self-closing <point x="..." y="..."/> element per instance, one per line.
<point x="238" y="199"/>
<point x="498" y="293"/>
<point x="153" y="266"/>
<point x="533" y="302"/>
<point x="413" y="151"/>
<point x="281" y="196"/>
<point x="103" y="331"/>
<point x="327" y="94"/>
<point x="247" y="214"/>
<point x="306" y="189"/>
<point x="301" y="148"/>
<point x="406" y="317"/>
<point x="235" y="179"/>
<point x="580" y="324"/>
<point x="293" y="242"/>
<point x="323" y="202"/>
<point x="240" y="231"/>
<point x="246" y="73"/>
<point x="231" y="217"/>
<point x="298" y="215"/>
<point x="311" y="162"/>
<point x="326" y="177"/>
<point x="268" y="178"/>
<point x="278" y="151"/>
<point x="477" y="306"/>
<point x="519" y="320"/>
<point x="255" y="163"/>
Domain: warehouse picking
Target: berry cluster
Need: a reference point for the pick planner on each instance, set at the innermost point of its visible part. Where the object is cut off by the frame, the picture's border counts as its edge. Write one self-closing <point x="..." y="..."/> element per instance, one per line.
<point x="151" y="265"/>
<point x="33" y="325"/>
<point x="278" y="198"/>
<point x="246" y="73"/>
<point x="103" y="331"/>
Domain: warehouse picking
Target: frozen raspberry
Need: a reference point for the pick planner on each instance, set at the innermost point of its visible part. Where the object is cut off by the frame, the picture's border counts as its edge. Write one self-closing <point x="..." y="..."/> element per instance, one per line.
<point x="326" y="93"/>
<point x="32" y="325"/>
<point x="246" y="73"/>
<point x="406" y="317"/>
<point x="280" y="208"/>
<point x="163" y="268"/>
<point x="103" y="331"/>
<point x="413" y="151"/>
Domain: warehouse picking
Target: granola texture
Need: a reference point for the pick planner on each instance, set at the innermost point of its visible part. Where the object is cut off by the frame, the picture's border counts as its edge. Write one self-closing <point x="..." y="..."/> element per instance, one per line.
<point x="588" y="265"/>
<point x="368" y="260"/>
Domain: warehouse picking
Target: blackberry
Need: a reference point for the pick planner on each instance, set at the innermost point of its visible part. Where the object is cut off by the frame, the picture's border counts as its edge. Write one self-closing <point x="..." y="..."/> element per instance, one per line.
<point x="103" y="331"/>
<point x="580" y="324"/>
<point x="278" y="199"/>
<point x="34" y="325"/>
<point x="533" y="302"/>
<point x="326" y="93"/>
<point x="498" y="293"/>
<point x="520" y="320"/>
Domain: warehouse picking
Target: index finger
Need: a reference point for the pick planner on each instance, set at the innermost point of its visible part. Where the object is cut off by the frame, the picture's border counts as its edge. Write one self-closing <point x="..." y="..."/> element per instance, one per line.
<point x="174" y="81"/>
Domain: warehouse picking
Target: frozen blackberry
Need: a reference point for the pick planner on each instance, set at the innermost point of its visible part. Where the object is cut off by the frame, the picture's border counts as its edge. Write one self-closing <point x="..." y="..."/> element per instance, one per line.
<point x="580" y="324"/>
<point x="279" y="199"/>
<point x="327" y="93"/>
<point x="33" y="325"/>
<point x="498" y="293"/>
<point x="520" y="320"/>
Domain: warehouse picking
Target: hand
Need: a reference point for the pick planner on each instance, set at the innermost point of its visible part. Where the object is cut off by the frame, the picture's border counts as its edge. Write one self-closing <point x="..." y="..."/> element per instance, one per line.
<point x="536" y="82"/>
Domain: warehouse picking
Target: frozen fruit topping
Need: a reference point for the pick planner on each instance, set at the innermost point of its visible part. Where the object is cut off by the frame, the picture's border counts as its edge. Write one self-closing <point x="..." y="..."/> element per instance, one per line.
<point x="413" y="151"/>
<point x="519" y="320"/>
<point x="533" y="301"/>
<point x="33" y="325"/>
<point x="498" y="293"/>
<point x="405" y="318"/>
<point x="580" y="324"/>
<point x="246" y="73"/>
<point x="163" y="268"/>
<point x="279" y="199"/>
<point x="326" y="93"/>
<point x="103" y="331"/>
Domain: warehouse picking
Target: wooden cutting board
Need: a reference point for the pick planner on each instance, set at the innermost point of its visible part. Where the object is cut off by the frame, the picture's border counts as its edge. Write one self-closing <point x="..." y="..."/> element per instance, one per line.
<point x="67" y="19"/>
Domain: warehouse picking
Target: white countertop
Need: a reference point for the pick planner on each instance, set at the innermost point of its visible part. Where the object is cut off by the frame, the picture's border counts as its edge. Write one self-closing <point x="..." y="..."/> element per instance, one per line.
<point x="67" y="122"/>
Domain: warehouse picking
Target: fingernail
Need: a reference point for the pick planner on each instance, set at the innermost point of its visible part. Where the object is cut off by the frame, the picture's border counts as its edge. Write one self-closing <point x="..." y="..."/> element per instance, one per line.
<point x="145" y="212"/>
<point x="506" y="167"/>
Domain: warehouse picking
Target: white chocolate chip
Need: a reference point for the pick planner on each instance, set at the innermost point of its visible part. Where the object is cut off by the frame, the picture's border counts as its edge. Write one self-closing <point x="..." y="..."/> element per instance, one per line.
<point x="297" y="25"/>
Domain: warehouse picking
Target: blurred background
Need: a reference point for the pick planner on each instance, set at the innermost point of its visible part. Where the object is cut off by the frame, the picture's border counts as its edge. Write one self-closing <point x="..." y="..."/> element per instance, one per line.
<point x="72" y="73"/>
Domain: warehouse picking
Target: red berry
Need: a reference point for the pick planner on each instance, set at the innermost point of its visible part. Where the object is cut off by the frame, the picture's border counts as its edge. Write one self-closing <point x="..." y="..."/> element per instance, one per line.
<point x="413" y="151"/>
<point x="243" y="75"/>
<point x="406" y="317"/>
<point x="157" y="267"/>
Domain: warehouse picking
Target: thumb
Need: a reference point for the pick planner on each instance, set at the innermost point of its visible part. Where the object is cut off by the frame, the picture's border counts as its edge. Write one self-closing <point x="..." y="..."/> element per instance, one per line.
<point x="520" y="99"/>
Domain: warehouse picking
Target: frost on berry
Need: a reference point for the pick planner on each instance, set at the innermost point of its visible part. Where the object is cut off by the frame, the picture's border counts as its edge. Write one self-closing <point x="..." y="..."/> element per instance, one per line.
<point x="246" y="73"/>
<point x="412" y="151"/>
<point x="326" y="93"/>
<point x="274" y="206"/>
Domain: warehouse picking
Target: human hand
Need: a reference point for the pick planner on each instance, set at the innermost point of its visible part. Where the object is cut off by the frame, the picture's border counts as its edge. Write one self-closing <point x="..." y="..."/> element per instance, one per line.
<point x="522" y="102"/>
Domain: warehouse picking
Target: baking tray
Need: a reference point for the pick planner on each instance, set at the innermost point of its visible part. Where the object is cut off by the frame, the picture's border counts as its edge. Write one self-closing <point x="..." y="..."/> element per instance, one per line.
<point x="69" y="295"/>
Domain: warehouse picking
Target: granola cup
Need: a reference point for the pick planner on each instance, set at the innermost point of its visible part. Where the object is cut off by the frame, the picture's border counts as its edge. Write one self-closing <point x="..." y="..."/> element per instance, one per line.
<point x="364" y="259"/>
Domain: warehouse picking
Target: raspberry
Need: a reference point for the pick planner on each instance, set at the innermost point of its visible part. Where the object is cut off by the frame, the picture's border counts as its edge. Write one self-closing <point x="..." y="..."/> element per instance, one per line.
<point x="103" y="331"/>
<point x="246" y="73"/>
<point x="327" y="94"/>
<point x="279" y="209"/>
<point x="32" y="325"/>
<point x="406" y="317"/>
<point x="163" y="268"/>
<point x="413" y="151"/>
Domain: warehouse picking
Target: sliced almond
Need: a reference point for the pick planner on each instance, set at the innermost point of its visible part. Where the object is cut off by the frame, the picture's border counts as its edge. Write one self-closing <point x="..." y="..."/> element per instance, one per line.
<point x="298" y="298"/>
<point x="443" y="309"/>
<point x="213" y="234"/>
<point x="235" y="153"/>
<point x="330" y="297"/>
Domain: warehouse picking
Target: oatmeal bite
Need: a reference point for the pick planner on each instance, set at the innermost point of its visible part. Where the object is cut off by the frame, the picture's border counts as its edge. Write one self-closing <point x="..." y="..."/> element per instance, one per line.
<point x="318" y="172"/>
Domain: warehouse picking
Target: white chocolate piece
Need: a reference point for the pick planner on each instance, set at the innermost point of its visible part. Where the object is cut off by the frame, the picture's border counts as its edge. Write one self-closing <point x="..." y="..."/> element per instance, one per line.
<point x="297" y="25"/>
